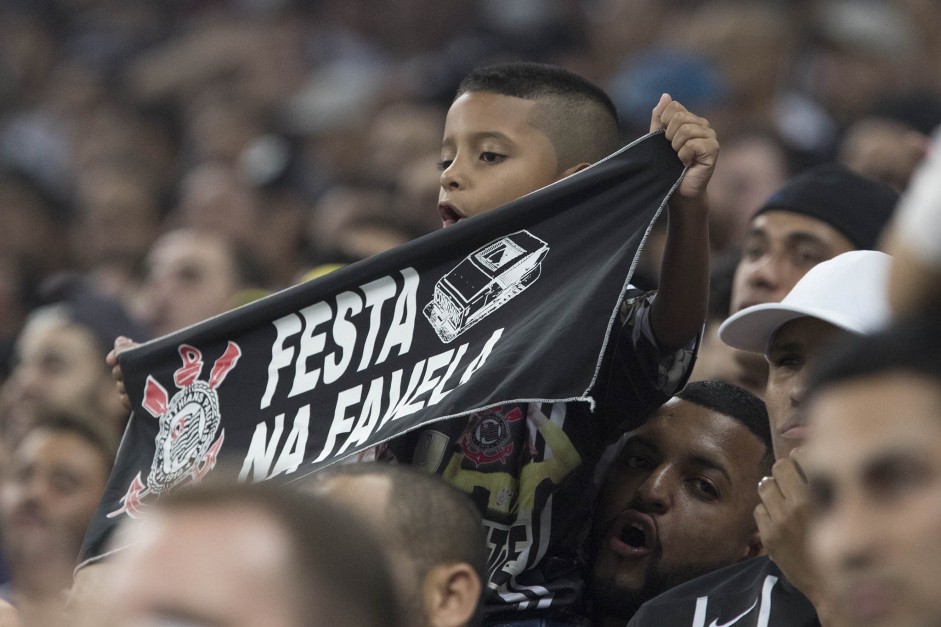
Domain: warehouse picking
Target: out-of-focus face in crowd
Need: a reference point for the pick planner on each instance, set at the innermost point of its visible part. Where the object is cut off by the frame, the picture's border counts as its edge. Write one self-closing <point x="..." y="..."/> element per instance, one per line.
<point x="59" y="366"/>
<point x="192" y="275"/>
<point x="49" y="492"/>
<point x="874" y="470"/>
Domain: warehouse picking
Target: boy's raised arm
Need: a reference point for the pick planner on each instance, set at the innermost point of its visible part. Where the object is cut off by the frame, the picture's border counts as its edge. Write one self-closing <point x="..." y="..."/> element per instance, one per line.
<point x="679" y="308"/>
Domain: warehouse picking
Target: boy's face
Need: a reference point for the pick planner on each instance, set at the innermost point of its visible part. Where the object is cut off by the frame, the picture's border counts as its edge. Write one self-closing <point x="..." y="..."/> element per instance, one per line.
<point x="492" y="154"/>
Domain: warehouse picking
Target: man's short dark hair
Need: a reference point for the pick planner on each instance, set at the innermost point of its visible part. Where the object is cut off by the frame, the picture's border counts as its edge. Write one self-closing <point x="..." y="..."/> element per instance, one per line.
<point x="433" y="520"/>
<point x="94" y="434"/>
<point x="336" y="561"/>
<point x="578" y="116"/>
<point x="738" y="403"/>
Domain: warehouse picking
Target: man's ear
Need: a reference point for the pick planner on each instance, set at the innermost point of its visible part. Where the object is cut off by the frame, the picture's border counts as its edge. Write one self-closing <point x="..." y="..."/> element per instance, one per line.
<point x="451" y="594"/>
<point x="573" y="169"/>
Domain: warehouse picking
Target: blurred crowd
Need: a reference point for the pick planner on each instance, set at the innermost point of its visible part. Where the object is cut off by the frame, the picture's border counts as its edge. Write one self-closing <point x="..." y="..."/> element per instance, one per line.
<point x="163" y="162"/>
<point x="307" y="133"/>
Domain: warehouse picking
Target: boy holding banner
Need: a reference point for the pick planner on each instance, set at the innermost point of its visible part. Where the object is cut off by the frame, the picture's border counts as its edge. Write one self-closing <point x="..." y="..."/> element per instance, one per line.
<point x="512" y="129"/>
<point x="527" y="457"/>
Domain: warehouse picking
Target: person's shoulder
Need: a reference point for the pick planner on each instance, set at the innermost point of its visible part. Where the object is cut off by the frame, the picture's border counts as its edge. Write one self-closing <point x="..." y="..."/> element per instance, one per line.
<point x="749" y="593"/>
<point x="743" y="576"/>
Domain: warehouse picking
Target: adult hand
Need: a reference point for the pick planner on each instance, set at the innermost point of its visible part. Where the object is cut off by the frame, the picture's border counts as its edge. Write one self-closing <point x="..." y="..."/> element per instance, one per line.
<point x="782" y="518"/>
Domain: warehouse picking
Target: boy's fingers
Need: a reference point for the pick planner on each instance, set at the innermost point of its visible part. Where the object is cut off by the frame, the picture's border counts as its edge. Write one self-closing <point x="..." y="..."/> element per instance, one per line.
<point x="698" y="151"/>
<point x="122" y="395"/>
<point x="122" y="343"/>
<point x="682" y="128"/>
<point x="656" y="123"/>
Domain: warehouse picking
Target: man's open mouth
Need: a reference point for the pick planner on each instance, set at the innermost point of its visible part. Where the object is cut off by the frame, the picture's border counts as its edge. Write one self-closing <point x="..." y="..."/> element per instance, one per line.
<point x="633" y="534"/>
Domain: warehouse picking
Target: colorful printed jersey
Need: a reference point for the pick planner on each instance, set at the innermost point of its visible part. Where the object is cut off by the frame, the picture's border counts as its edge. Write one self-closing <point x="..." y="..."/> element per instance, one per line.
<point x="530" y="467"/>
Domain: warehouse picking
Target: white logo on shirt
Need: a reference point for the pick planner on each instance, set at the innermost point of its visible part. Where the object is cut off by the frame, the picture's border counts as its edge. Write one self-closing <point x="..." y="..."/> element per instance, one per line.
<point x="764" y="612"/>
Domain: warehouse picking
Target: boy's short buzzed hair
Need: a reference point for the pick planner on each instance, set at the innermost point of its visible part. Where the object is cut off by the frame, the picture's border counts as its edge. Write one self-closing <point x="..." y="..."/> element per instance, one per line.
<point x="579" y="117"/>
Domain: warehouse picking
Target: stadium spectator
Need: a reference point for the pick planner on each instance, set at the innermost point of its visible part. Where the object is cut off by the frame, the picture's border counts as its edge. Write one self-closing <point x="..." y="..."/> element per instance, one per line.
<point x="431" y="530"/>
<point x="838" y="298"/>
<point x="816" y="215"/>
<point x="245" y="555"/>
<point x="193" y="275"/>
<point x="872" y="462"/>
<point x="50" y="489"/>
<point x="678" y="500"/>
<point x="59" y="355"/>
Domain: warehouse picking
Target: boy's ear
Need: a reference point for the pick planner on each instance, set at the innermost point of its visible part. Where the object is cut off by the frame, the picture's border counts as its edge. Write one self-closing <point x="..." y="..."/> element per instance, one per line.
<point x="573" y="169"/>
<point x="451" y="594"/>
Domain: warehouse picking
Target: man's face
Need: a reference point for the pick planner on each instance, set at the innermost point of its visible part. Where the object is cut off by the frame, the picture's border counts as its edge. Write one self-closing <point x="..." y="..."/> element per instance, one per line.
<point x="676" y="503"/>
<point x="492" y="154"/>
<point x="224" y="566"/>
<point x="874" y="470"/>
<point x="794" y="348"/>
<point x="49" y="493"/>
<point x="190" y="278"/>
<point x="780" y="247"/>
<point x="59" y="366"/>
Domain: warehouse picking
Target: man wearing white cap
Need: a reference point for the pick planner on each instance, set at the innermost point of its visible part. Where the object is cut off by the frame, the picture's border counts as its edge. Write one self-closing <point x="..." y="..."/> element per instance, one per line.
<point x="836" y="299"/>
<point x="816" y="215"/>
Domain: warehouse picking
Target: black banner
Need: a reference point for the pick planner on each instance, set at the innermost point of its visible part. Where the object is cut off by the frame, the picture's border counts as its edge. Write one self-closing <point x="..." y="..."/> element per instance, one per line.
<point x="512" y="306"/>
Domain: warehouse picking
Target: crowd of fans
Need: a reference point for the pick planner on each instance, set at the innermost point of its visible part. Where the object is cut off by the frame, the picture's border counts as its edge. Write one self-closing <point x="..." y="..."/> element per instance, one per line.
<point x="164" y="162"/>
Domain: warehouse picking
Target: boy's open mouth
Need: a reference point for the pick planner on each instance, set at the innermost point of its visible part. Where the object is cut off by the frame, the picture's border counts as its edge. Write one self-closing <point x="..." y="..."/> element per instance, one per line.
<point x="448" y="214"/>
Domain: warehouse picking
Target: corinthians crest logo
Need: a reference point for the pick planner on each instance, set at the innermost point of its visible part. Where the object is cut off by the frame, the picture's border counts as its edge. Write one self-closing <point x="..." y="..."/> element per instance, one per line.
<point x="188" y="423"/>
<point x="488" y="437"/>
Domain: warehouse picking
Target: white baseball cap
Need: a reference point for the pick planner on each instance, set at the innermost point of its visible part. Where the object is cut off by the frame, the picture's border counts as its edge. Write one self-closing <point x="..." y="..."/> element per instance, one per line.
<point x="848" y="291"/>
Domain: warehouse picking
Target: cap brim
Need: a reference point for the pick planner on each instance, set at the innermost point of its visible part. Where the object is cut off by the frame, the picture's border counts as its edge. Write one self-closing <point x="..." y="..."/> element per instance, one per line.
<point x="750" y="329"/>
